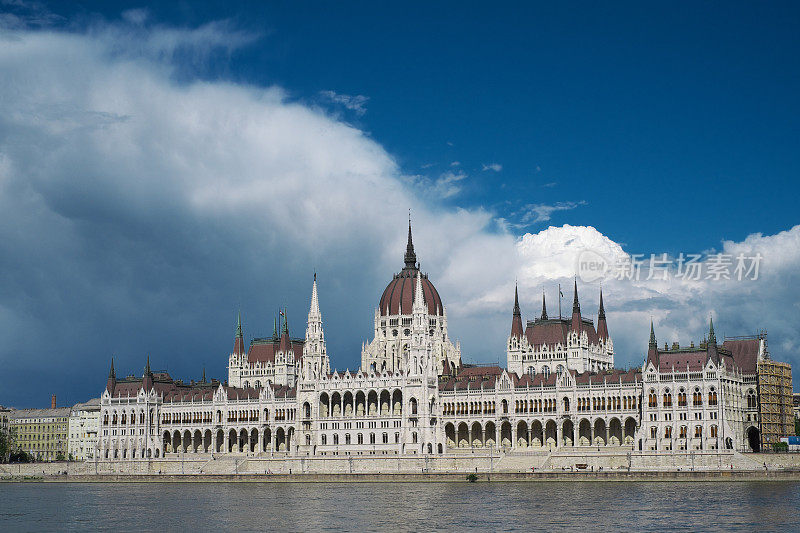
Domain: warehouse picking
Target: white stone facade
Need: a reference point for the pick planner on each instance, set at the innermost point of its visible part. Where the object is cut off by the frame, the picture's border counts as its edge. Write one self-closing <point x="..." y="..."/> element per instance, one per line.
<point x="412" y="394"/>
<point x="82" y="430"/>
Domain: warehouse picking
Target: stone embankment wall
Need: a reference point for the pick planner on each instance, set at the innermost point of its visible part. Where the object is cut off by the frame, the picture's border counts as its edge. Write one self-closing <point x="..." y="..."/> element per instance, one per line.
<point x="459" y="464"/>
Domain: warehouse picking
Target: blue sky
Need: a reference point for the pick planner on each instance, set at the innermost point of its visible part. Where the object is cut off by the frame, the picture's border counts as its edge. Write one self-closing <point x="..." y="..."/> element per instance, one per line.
<point x="662" y="127"/>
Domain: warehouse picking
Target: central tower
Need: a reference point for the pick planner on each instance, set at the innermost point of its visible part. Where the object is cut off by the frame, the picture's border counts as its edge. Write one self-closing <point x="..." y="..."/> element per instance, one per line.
<point x="401" y="326"/>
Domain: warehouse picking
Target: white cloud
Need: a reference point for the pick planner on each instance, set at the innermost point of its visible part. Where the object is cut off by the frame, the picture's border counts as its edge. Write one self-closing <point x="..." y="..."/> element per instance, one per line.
<point x="533" y="213"/>
<point x="455" y="164"/>
<point x="357" y="103"/>
<point x="137" y="212"/>
<point x="496" y="167"/>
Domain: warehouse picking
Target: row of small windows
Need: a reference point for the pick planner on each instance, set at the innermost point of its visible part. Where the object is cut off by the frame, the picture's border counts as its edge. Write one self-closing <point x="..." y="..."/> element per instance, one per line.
<point x="683" y="432"/>
<point x="360" y="439"/>
<point x="697" y="398"/>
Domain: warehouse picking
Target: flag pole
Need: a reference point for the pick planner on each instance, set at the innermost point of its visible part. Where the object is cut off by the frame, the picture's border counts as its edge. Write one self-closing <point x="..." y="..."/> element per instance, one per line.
<point x="559" y="301"/>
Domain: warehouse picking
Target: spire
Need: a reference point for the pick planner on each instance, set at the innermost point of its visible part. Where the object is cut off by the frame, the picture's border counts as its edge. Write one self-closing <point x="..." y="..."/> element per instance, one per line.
<point x="516" y="319"/>
<point x="652" y="349"/>
<point x="601" y="314"/>
<point x="275" y="328"/>
<point x="712" y="338"/>
<point x="713" y="351"/>
<point x="653" y="343"/>
<point x="544" y="307"/>
<point x="147" y="379"/>
<point x="203" y="380"/>
<point x="419" y="297"/>
<point x="112" y="379"/>
<point x="285" y="322"/>
<point x="411" y="257"/>
<point x="576" y="310"/>
<point x="576" y="306"/>
<point x="313" y="311"/>
<point x="602" y="327"/>
<point x="238" y="342"/>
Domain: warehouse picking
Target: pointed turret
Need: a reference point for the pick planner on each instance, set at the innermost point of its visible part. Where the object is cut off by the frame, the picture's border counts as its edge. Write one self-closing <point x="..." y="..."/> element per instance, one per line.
<point x="419" y="296"/>
<point x="203" y="379"/>
<point x="315" y="359"/>
<point x="602" y="327"/>
<point x="576" y="309"/>
<point x="652" y="347"/>
<point x="238" y="343"/>
<point x="544" y="307"/>
<point x="411" y="257"/>
<point x="112" y="379"/>
<point x="712" y="349"/>
<point x="147" y="378"/>
<point x="516" y="320"/>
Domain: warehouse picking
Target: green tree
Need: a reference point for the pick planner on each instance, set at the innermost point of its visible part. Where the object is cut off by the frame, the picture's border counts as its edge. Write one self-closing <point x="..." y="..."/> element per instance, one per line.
<point x="5" y="446"/>
<point x="60" y="456"/>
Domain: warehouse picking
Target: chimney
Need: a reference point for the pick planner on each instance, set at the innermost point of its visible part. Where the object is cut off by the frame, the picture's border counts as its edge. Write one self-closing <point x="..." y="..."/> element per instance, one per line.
<point x="53" y="401"/>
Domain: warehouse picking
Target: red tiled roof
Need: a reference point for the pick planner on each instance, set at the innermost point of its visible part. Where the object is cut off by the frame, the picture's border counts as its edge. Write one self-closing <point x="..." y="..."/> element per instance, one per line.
<point x="264" y="350"/>
<point x="744" y="352"/>
<point x="553" y="331"/>
<point x="398" y="296"/>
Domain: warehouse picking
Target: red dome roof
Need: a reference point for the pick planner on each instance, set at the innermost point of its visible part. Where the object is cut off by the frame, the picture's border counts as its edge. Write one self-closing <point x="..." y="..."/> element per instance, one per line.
<point x="398" y="298"/>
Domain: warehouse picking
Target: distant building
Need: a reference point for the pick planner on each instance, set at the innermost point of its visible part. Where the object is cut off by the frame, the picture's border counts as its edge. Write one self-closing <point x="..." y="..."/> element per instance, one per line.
<point x="5" y="416"/>
<point x="84" y="423"/>
<point x="796" y="404"/>
<point x="42" y="433"/>
<point x="775" y="400"/>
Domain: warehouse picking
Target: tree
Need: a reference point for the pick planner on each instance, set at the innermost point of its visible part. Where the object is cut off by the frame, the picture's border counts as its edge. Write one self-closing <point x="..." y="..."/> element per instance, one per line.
<point x="60" y="456"/>
<point x="5" y="446"/>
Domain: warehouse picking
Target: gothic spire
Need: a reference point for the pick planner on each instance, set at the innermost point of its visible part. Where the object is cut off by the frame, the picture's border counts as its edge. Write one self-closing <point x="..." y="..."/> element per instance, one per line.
<point x="203" y="380"/>
<point x="576" y="306"/>
<point x="516" y="319"/>
<point x="601" y="314"/>
<point x="712" y="338"/>
<point x="411" y="257"/>
<point x="147" y="365"/>
<point x="419" y="296"/>
<point x="576" y="310"/>
<point x="653" y="343"/>
<point x="602" y="327"/>
<point x="652" y="349"/>
<point x="238" y="342"/>
<point x="111" y="373"/>
<point x="544" y="307"/>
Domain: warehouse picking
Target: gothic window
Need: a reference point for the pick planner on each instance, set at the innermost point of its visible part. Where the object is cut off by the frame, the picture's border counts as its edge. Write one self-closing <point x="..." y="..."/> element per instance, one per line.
<point x="667" y="398"/>
<point x="546" y="371"/>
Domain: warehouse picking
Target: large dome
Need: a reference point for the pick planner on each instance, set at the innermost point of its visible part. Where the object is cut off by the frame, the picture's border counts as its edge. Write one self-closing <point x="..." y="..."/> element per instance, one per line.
<point x="398" y="298"/>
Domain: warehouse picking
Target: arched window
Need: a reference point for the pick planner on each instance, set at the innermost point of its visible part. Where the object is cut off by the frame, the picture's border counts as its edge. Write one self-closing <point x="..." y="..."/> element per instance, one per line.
<point x="667" y="398"/>
<point x="652" y="399"/>
<point x="751" y="399"/>
<point x="546" y="371"/>
<point x="712" y="397"/>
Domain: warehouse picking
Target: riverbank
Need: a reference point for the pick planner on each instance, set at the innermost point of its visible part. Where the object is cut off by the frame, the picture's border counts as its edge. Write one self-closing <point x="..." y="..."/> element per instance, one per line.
<point x="437" y="477"/>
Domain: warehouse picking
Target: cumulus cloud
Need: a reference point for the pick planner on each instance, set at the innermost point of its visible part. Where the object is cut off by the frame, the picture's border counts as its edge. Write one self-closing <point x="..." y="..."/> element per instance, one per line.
<point x="140" y="208"/>
<point x="357" y="103"/>
<point x="495" y="167"/>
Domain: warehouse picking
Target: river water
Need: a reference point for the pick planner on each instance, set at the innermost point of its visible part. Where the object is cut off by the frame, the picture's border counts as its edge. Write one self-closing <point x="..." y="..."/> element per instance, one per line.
<point x="542" y="506"/>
